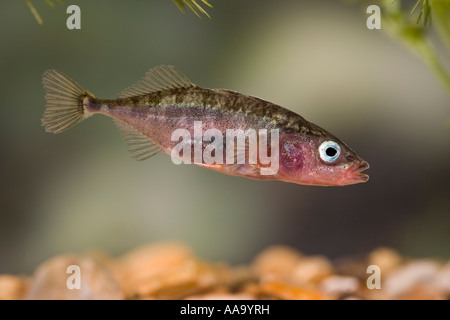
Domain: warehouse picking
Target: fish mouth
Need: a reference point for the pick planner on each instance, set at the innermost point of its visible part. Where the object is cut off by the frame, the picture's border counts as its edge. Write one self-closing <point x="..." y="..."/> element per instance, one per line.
<point x="356" y="175"/>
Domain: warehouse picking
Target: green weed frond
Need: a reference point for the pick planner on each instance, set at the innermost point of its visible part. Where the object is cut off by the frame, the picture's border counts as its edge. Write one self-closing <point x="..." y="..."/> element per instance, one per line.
<point x="193" y="5"/>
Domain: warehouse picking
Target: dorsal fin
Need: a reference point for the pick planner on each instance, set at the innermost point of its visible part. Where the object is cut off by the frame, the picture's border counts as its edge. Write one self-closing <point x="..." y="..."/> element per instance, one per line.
<point x="140" y="146"/>
<point x="157" y="79"/>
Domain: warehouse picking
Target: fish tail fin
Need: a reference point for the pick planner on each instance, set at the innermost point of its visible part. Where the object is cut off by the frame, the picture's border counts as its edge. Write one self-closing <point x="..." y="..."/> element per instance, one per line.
<point x="64" y="99"/>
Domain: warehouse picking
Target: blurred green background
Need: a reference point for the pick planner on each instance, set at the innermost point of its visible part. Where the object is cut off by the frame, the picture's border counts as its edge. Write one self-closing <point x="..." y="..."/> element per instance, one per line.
<point x="80" y="190"/>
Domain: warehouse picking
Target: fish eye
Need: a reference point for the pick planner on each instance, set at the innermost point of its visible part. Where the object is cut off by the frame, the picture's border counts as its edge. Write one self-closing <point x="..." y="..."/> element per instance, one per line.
<point x="329" y="151"/>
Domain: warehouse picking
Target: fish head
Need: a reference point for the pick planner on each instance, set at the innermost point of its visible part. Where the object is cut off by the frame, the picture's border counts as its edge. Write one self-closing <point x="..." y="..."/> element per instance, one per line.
<point x="320" y="160"/>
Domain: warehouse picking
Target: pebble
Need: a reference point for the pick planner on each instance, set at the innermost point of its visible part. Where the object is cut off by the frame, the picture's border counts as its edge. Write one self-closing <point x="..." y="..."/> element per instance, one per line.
<point x="50" y="281"/>
<point x="12" y="287"/>
<point x="406" y="277"/>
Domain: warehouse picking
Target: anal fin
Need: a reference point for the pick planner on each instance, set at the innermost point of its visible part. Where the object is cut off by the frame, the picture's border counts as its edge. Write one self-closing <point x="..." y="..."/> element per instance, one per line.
<point x="139" y="145"/>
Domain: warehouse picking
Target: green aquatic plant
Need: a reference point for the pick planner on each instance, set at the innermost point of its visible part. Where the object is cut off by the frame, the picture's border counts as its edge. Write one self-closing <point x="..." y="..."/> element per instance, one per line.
<point x="36" y="13"/>
<point x="417" y="33"/>
<point x="424" y="11"/>
<point x="193" y="5"/>
<point x="181" y="4"/>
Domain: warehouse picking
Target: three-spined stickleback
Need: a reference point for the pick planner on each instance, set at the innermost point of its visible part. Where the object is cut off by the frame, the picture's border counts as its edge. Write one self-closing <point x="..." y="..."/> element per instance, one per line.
<point x="165" y="101"/>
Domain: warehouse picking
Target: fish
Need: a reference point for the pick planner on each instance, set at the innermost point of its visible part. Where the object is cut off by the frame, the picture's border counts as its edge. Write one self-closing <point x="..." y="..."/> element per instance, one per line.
<point x="165" y="101"/>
